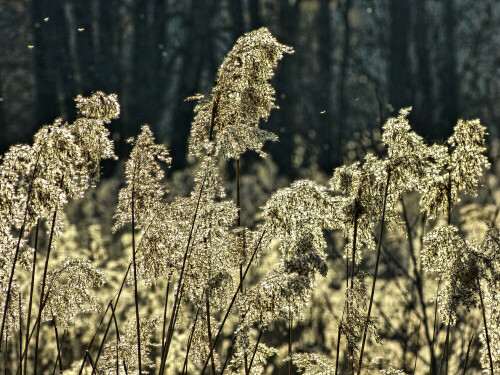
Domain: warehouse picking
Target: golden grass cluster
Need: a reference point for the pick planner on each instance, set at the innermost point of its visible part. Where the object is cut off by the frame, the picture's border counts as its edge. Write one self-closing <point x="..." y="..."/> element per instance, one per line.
<point x="199" y="290"/>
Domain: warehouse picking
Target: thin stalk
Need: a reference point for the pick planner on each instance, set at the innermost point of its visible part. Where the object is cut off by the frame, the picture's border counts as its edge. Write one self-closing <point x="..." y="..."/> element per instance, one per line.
<point x="101" y="347"/>
<point x="418" y="281"/>
<point x="117" y="296"/>
<point x="449" y="198"/>
<point x="113" y="314"/>
<point x="58" y="346"/>
<point x="164" y="326"/>
<point x="165" y="316"/>
<point x="238" y="205"/>
<point x="209" y="331"/>
<point x="179" y="284"/>
<point x="416" y="352"/>
<point x="93" y="337"/>
<point x="18" y="246"/>
<point x="111" y="319"/>
<point x="181" y="294"/>
<point x="136" y="297"/>
<point x="215" y="107"/>
<point x="45" y="270"/>
<point x="30" y="303"/>
<point x="173" y="318"/>
<point x="485" y="327"/>
<point x="190" y="340"/>
<point x="435" y="331"/>
<point x="338" y="344"/>
<point x="350" y="348"/>
<point x="19" y="368"/>
<point x="228" y="311"/>
<point x="467" y="354"/>
<point x="347" y="273"/>
<point x="6" y="356"/>
<point x="379" y="247"/>
<point x="355" y="234"/>
<point x="20" y="332"/>
<point x="444" y="356"/>
<point x="290" y="323"/>
<point x="91" y="361"/>
<point x="228" y="355"/>
<point x="255" y="349"/>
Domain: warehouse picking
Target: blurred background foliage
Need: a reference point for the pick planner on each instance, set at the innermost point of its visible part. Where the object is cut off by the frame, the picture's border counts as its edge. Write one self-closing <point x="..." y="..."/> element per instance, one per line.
<point x="356" y="63"/>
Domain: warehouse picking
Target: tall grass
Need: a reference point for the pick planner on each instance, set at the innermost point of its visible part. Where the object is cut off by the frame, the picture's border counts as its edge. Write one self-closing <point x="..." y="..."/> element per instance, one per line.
<point x="201" y="292"/>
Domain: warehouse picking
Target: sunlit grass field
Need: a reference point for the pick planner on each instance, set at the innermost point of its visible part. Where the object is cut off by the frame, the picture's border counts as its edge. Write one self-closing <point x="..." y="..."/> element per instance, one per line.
<point x="388" y="265"/>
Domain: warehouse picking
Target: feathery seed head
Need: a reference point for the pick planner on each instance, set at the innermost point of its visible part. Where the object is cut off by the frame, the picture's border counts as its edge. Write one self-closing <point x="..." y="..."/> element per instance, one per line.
<point x="143" y="180"/>
<point x="448" y="254"/>
<point x="69" y="292"/>
<point x="456" y="167"/>
<point x="241" y="98"/>
<point x="407" y="153"/>
<point x="98" y="106"/>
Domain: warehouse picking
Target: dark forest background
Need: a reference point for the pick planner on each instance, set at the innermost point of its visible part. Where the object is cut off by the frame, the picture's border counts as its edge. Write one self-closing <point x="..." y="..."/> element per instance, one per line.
<point x="356" y="63"/>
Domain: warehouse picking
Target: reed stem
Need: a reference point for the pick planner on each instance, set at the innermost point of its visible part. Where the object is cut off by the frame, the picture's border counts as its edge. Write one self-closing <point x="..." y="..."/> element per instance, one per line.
<point x="485" y="327"/>
<point x="41" y="305"/>
<point x="379" y="247"/>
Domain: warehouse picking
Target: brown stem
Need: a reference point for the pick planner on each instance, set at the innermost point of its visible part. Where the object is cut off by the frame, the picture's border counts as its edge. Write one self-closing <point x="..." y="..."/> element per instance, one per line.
<point x="165" y="316"/>
<point x="101" y="347"/>
<point x="228" y="354"/>
<point x="444" y="356"/>
<point x="215" y="107"/>
<point x="228" y="311"/>
<point x="18" y="246"/>
<point x="418" y="281"/>
<point x="238" y="223"/>
<point x="350" y="348"/>
<point x="338" y="344"/>
<point x="382" y="221"/>
<point x="20" y="331"/>
<point x="485" y="327"/>
<point x="416" y="351"/>
<point x="290" y="323"/>
<point x="209" y="329"/>
<point x="24" y="356"/>
<point x="467" y="354"/>
<point x="179" y="284"/>
<point x="113" y="315"/>
<point x="30" y="303"/>
<point x="58" y="346"/>
<point x="255" y="349"/>
<point x="355" y="234"/>
<point x="117" y="296"/>
<point x="190" y="340"/>
<point x="94" y="336"/>
<point x="45" y="270"/>
<point x="136" y="298"/>
<point x="435" y="331"/>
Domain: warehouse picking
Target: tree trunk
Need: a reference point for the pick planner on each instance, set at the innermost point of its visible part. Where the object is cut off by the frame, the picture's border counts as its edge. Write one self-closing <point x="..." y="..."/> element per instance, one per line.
<point x="255" y="21"/>
<point x="449" y="83"/>
<point x="45" y="62"/>
<point x="324" y="107"/>
<point x="194" y="59"/>
<point x="400" y="91"/>
<point x="424" y="101"/>
<point x="238" y="23"/>
<point x="343" y="111"/>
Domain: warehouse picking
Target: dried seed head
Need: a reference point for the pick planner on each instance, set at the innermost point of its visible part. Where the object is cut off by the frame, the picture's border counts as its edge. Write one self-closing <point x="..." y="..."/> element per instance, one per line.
<point x="241" y="98"/>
